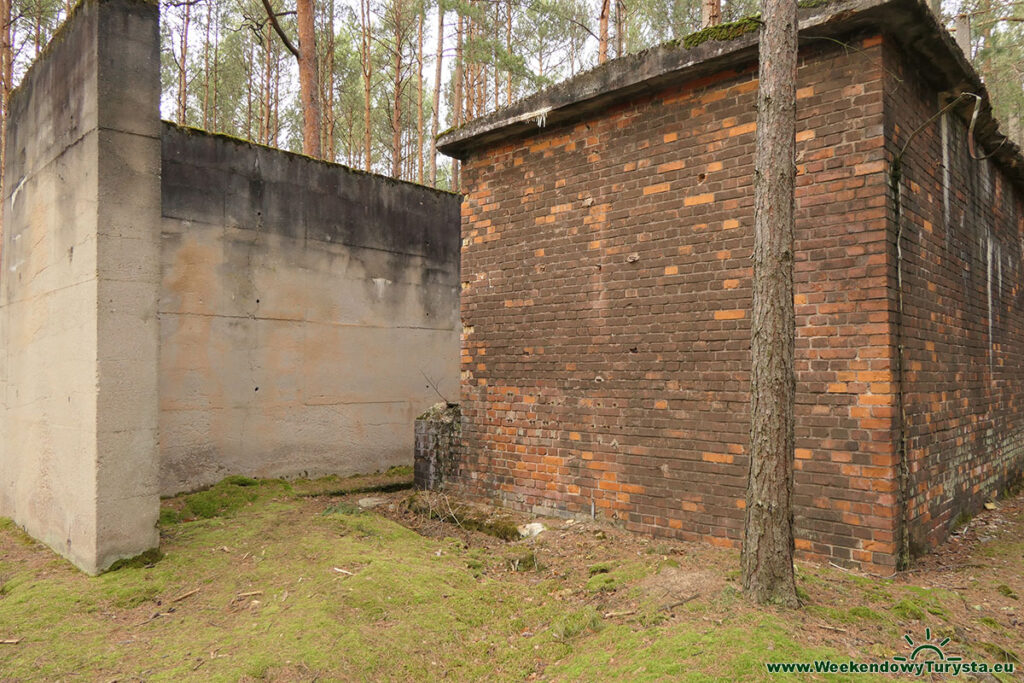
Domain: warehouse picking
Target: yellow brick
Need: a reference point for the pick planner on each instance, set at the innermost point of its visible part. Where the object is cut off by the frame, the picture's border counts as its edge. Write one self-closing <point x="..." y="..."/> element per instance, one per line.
<point x="730" y="224"/>
<point x="671" y="270"/>
<point x="656" y="189"/>
<point x="697" y="199"/>
<point x="742" y="130"/>
<point x="730" y="314"/>
<point x="671" y="166"/>
<point x="870" y="167"/>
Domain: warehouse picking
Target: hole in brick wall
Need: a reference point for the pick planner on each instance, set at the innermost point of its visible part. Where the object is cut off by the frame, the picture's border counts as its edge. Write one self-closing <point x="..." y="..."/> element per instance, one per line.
<point x="257" y="388"/>
<point x="702" y="177"/>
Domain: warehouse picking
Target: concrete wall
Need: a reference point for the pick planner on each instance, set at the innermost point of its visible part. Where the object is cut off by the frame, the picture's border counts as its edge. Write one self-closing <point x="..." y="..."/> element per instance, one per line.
<point x="302" y="310"/>
<point x="176" y="306"/>
<point x="78" y="285"/>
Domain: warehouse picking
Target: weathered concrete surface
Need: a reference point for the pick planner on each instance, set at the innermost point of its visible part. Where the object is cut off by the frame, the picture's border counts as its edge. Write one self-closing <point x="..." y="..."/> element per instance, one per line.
<point x="303" y="308"/>
<point x="78" y="327"/>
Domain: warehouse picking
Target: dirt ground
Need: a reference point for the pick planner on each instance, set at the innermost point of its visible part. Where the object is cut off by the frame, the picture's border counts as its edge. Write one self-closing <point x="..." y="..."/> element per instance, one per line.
<point x="356" y="579"/>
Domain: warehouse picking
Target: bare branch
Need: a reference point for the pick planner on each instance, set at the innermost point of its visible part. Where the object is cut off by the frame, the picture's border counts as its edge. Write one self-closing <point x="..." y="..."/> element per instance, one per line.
<point x="280" y="31"/>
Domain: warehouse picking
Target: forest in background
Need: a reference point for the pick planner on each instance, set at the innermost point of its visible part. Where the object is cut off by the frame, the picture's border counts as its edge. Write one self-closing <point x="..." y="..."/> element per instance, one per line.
<point x="383" y="77"/>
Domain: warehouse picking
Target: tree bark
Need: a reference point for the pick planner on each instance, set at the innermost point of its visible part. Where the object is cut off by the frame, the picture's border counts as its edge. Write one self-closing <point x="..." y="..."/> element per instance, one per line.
<point x="602" y="40"/>
<point x="962" y="24"/>
<point x="183" y="68"/>
<point x="206" y="67"/>
<point x="710" y="13"/>
<point x="437" y="95"/>
<point x="508" y="49"/>
<point x="767" y="558"/>
<point x="330" y="148"/>
<point x="367" y="65"/>
<point x="458" y="92"/>
<point x="309" y="81"/>
<point x="396" y="106"/>
<point x="419" y="97"/>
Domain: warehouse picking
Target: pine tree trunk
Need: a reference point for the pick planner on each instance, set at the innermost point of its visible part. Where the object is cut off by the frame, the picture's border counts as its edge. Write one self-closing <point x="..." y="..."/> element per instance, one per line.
<point x="435" y="124"/>
<point x="767" y="559"/>
<point x="206" y="68"/>
<point x="396" y="107"/>
<point x="328" y="102"/>
<point x="309" y="81"/>
<point x="6" y="76"/>
<point x="458" y="94"/>
<point x="710" y="13"/>
<point x="602" y="39"/>
<point x="364" y="16"/>
<point x="508" y="49"/>
<point x="216" y="73"/>
<point x="419" y="99"/>
<point x="962" y="25"/>
<point x="183" y="68"/>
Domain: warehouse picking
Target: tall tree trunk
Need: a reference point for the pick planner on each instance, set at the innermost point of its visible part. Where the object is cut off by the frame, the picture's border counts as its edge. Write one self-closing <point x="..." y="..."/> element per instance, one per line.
<point x="396" y="108"/>
<point x="364" y="19"/>
<point x="458" y="94"/>
<point x="329" y="135"/>
<point x="962" y="24"/>
<point x="710" y="13"/>
<point x="419" y="98"/>
<point x="437" y="95"/>
<point x="508" y="49"/>
<point x="183" y="67"/>
<point x="267" y="90"/>
<point x="602" y="39"/>
<point x="767" y="558"/>
<point x="206" y="67"/>
<point x="309" y="81"/>
<point x="216" y="71"/>
<point x="6" y="76"/>
<point x="276" y="141"/>
<point x="620" y="28"/>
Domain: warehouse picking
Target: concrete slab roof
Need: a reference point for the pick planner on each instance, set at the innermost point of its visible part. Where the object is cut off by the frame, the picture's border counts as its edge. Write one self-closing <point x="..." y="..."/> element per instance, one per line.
<point x="910" y="23"/>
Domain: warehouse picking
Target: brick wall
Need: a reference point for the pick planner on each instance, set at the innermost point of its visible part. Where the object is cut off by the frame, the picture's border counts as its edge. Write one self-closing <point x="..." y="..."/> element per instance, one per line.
<point x="605" y="303"/>
<point x="963" y="312"/>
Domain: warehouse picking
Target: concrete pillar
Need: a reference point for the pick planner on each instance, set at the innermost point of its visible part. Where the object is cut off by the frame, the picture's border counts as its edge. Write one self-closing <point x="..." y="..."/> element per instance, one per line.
<point x="79" y="286"/>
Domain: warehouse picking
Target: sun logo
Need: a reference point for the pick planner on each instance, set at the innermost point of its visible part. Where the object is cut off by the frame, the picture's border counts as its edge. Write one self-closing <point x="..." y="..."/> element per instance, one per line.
<point x="927" y="651"/>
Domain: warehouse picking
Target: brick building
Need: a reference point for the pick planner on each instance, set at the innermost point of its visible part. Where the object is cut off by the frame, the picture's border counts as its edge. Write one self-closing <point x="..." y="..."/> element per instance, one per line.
<point x="607" y="233"/>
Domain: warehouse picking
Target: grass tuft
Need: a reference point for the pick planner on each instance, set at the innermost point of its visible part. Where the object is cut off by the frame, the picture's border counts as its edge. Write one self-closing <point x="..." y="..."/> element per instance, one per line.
<point x="140" y="561"/>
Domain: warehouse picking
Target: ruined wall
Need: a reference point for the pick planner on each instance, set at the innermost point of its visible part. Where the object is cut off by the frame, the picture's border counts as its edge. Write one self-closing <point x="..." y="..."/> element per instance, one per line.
<point x="606" y="297"/>
<point x="963" y="310"/>
<point x="305" y="311"/>
<point x="78" y="285"/>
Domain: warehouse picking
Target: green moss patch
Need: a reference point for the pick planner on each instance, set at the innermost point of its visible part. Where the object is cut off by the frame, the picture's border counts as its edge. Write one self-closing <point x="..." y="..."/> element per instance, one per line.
<point x="140" y="561"/>
<point x="722" y="32"/>
<point x="1003" y="589"/>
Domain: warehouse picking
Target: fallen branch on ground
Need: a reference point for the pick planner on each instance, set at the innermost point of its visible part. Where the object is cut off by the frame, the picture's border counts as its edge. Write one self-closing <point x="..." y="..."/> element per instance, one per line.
<point x="186" y="595"/>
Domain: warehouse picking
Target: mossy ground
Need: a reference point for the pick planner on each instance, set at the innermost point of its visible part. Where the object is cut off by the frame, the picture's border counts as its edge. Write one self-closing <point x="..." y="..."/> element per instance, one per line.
<point x="282" y="583"/>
